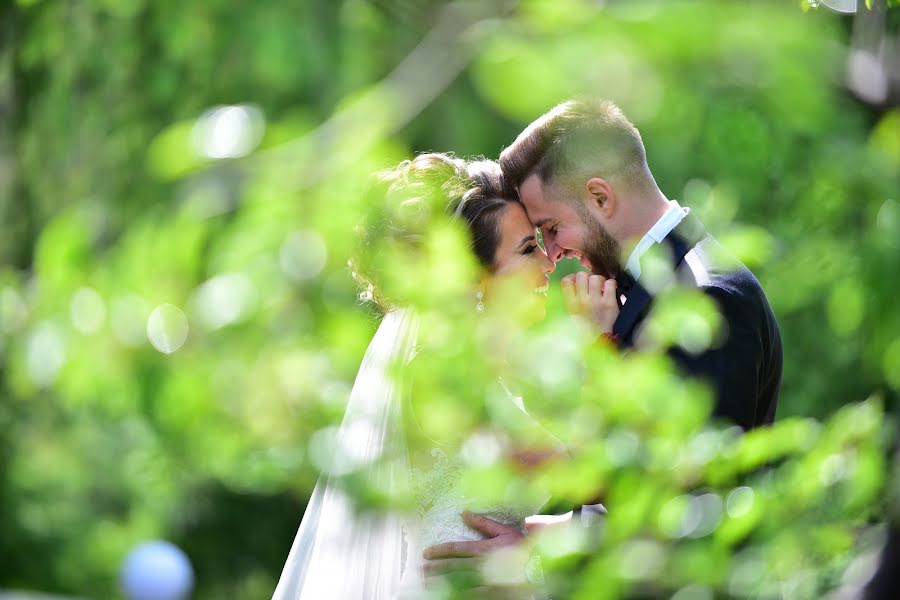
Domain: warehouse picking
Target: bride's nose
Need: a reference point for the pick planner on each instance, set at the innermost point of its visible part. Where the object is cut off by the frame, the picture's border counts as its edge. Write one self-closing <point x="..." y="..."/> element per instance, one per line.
<point x="547" y="265"/>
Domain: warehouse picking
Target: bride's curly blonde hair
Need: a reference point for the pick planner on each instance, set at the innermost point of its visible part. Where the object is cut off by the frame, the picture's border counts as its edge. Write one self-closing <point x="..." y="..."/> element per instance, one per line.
<point x="432" y="185"/>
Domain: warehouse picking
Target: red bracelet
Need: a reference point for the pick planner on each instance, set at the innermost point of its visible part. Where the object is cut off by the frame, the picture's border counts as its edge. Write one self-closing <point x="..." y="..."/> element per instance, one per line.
<point x="611" y="338"/>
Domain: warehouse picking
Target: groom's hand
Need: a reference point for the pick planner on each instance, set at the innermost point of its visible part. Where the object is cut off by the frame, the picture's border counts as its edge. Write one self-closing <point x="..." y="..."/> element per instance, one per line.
<point x="592" y="298"/>
<point x="500" y="536"/>
<point x="493" y="568"/>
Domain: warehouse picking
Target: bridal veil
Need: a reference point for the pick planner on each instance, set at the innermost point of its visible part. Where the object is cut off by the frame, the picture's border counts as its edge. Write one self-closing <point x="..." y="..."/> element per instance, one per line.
<point x="341" y="553"/>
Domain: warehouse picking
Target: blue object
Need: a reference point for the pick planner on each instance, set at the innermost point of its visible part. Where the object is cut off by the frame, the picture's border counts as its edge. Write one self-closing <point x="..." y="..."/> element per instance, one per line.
<point x="157" y="570"/>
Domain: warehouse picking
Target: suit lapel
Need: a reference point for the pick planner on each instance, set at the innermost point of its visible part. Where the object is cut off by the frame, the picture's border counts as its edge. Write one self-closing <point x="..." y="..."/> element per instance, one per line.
<point x="680" y="241"/>
<point x="636" y="305"/>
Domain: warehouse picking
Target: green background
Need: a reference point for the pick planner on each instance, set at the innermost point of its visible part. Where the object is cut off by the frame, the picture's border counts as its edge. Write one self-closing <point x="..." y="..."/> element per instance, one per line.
<point x="110" y="208"/>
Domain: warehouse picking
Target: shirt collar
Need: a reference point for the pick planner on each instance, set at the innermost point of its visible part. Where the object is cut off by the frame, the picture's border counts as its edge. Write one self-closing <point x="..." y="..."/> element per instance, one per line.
<point x="663" y="227"/>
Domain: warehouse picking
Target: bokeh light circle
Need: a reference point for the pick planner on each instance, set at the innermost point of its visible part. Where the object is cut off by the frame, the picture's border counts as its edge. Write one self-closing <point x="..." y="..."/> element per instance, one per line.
<point x="167" y="328"/>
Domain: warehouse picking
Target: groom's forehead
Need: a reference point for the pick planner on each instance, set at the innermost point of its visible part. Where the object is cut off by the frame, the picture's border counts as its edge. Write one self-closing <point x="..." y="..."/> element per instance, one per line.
<point x="531" y="186"/>
<point x="531" y="194"/>
<point x="539" y="201"/>
<point x="537" y="194"/>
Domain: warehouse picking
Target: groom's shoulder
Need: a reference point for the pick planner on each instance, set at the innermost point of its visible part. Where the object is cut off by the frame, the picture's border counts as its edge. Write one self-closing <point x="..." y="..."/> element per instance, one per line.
<point x="704" y="263"/>
<point x="709" y="266"/>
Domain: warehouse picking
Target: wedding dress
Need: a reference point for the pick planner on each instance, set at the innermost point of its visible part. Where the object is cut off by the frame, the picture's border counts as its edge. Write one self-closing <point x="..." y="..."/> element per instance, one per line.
<point x="343" y="554"/>
<point x="441" y="502"/>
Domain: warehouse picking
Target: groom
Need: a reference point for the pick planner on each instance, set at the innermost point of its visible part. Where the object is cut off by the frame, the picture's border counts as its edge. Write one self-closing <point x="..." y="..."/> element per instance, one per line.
<point x="582" y="175"/>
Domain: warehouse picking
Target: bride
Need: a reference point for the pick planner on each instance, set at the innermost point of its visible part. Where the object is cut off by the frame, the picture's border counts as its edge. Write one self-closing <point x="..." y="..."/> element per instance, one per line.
<point x="396" y="483"/>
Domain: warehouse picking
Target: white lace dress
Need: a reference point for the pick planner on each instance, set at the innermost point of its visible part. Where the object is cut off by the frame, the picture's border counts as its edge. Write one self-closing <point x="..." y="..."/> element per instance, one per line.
<point x="441" y="501"/>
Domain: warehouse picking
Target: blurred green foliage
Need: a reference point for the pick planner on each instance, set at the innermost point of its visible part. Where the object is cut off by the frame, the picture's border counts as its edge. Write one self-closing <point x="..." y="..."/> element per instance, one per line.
<point x="177" y="319"/>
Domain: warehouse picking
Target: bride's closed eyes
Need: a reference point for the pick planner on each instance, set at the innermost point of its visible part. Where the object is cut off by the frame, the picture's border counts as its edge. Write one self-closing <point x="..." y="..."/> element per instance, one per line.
<point x="519" y="250"/>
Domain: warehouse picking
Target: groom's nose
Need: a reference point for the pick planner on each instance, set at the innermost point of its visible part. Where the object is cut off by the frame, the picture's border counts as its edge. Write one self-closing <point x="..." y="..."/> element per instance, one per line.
<point x="554" y="252"/>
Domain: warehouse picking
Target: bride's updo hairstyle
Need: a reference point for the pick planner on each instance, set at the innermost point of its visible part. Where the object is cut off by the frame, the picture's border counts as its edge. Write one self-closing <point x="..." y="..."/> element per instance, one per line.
<point x="434" y="222"/>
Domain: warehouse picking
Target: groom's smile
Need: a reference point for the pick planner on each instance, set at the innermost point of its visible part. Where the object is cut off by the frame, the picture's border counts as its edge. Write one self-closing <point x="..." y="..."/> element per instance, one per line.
<point x="569" y="253"/>
<point x="570" y="229"/>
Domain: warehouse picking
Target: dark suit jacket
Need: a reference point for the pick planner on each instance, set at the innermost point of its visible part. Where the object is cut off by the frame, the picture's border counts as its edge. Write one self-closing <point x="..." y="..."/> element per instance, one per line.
<point x="744" y="370"/>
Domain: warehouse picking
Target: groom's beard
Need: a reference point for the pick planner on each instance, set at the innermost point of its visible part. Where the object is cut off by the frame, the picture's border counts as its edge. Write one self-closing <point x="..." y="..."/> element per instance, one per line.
<point x="602" y="250"/>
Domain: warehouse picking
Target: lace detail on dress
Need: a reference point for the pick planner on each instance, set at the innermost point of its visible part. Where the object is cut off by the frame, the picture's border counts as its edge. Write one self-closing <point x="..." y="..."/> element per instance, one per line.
<point x="440" y="504"/>
<point x="440" y="499"/>
<point x="435" y="482"/>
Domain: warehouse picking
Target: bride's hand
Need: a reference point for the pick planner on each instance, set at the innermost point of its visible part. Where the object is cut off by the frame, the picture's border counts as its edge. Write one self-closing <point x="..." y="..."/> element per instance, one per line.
<point x="593" y="298"/>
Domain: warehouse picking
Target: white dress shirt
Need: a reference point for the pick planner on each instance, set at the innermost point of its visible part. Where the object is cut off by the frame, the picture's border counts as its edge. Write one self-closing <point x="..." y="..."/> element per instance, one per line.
<point x="663" y="227"/>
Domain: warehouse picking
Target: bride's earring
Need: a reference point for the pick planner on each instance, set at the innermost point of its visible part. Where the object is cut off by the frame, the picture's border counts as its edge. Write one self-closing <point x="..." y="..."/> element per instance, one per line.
<point x="479" y="301"/>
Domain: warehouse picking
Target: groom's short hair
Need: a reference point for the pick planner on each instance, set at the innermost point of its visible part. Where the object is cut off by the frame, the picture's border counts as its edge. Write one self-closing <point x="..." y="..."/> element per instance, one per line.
<point x="574" y="141"/>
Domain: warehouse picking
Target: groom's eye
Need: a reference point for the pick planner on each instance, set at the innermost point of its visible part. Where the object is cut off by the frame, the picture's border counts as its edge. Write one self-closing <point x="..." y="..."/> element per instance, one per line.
<point x="529" y="249"/>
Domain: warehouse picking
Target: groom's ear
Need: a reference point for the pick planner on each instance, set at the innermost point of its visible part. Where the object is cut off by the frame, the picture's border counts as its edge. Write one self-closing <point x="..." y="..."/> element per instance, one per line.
<point x="600" y="195"/>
